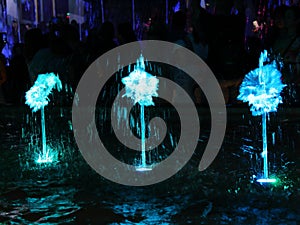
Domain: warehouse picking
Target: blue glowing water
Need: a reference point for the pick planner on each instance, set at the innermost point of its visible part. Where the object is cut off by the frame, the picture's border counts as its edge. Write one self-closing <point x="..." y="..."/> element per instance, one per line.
<point x="261" y="88"/>
<point x="141" y="87"/>
<point x="37" y="96"/>
<point x="37" y="99"/>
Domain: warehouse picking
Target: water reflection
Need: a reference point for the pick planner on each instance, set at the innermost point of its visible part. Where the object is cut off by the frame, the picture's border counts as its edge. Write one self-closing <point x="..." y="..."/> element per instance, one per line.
<point x="71" y="192"/>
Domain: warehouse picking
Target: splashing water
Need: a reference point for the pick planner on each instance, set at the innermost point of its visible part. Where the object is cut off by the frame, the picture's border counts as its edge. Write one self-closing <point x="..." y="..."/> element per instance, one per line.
<point x="37" y="96"/>
<point x="37" y="99"/>
<point x="261" y="88"/>
<point x="141" y="86"/>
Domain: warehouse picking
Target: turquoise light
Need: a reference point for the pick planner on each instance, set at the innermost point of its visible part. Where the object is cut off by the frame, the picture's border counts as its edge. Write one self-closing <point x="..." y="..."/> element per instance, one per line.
<point x="48" y="156"/>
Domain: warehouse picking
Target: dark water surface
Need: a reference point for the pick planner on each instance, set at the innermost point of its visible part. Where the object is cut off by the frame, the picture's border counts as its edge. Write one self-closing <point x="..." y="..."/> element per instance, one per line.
<point x="70" y="192"/>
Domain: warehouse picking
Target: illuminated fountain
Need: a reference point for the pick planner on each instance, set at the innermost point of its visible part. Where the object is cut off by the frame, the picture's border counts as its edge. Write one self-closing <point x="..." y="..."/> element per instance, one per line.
<point x="37" y="99"/>
<point x="261" y="88"/>
<point x="141" y="86"/>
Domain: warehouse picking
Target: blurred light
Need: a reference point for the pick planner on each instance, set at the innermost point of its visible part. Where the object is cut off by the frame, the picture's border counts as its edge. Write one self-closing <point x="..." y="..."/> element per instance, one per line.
<point x="266" y="180"/>
<point x="144" y="168"/>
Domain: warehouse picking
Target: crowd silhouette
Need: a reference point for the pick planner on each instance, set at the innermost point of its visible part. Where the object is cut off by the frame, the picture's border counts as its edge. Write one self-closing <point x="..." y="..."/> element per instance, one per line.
<point x="218" y="40"/>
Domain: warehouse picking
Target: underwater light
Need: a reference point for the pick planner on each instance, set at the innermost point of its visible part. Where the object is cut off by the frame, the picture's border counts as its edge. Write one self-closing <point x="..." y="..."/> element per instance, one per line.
<point x="266" y="180"/>
<point x="45" y="157"/>
<point x="44" y="160"/>
<point x="143" y="168"/>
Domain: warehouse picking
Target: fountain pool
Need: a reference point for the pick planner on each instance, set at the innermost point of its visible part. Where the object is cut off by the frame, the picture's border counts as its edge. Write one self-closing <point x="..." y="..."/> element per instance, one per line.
<point x="70" y="192"/>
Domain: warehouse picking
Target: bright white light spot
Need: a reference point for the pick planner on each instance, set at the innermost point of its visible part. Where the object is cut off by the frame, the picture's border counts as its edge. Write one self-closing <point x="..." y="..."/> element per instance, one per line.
<point x="266" y="180"/>
<point x="46" y="160"/>
<point x="48" y="157"/>
<point x="144" y="168"/>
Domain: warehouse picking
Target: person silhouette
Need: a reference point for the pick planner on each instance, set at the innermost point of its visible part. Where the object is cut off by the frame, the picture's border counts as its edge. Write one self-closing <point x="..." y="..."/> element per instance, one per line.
<point x="3" y="76"/>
